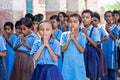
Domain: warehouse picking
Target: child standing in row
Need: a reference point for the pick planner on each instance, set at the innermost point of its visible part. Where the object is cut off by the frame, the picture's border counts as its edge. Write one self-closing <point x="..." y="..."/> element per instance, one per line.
<point x="57" y="34"/>
<point x="3" y="71"/>
<point x="91" y="57"/>
<point x="72" y="45"/>
<point x="110" y="47"/>
<point x="45" y="52"/>
<point x="23" y="64"/>
<point x="10" y="38"/>
<point x="103" y="37"/>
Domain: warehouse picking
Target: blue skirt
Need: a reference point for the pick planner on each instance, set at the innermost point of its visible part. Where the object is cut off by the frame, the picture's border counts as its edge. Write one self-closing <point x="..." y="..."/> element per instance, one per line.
<point x="92" y="62"/>
<point x="3" y="71"/>
<point x="46" y="72"/>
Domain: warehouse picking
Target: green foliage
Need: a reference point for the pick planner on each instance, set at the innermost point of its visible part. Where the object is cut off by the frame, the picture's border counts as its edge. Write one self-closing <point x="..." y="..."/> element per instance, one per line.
<point x="116" y="6"/>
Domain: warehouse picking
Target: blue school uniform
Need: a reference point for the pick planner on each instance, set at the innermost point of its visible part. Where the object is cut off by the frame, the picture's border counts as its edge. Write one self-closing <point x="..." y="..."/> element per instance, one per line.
<point x="102" y="32"/>
<point x="3" y="72"/>
<point x="57" y="34"/>
<point x="9" y="58"/>
<point x="73" y="68"/>
<point x="110" y="53"/>
<point x="46" y="68"/>
<point x="91" y="56"/>
<point x="61" y="27"/>
<point x="29" y="40"/>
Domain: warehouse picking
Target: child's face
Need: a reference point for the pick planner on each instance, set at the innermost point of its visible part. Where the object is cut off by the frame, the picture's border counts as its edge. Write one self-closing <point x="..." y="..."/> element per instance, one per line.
<point x="18" y="31"/>
<point x="95" y="21"/>
<point x="25" y="30"/>
<point x="54" y="23"/>
<point x="35" y="23"/>
<point x="61" y="17"/>
<point x="74" y="23"/>
<point x="45" y="30"/>
<point x="116" y="17"/>
<point x="108" y="18"/>
<point x="86" y="17"/>
<point x="8" y="30"/>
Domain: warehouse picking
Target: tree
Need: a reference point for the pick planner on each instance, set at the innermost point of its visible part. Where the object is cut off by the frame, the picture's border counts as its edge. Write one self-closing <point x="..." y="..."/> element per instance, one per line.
<point x="116" y="6"/>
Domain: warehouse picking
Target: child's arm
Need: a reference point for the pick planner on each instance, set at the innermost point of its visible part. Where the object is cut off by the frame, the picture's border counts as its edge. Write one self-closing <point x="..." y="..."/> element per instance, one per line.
<point x="25" y="44"/>
<point x="80" y="48"/>
<point x="3" y="53"/>
<point x="52" y="54"/>
<point x="16" y="47"/>
<point x="111" y="34"/>
<point x="89" y="39"/>
<point x="64" y="47"/>
<point x="104" y="39"/>
<point x="7" y="39"/>
<point x="38" y="53"/>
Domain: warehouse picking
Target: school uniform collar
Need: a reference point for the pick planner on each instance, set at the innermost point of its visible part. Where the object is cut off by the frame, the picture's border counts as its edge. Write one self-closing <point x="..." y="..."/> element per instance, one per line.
<point x="90" y="27"/>
<point x="51" y="40"/>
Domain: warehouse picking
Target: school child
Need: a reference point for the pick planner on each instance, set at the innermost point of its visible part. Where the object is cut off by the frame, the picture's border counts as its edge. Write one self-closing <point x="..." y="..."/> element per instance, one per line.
<point x="3" y="71"/>
<point x="45" y="52"/>
<point x="116" y="17"/>
<point x="72" y="45"/>
<point x="10" y="38"/>
<point x="91" y="57"/>
<point x="110" y="48"/>
<point x="17" y="28"/>
<point x="66" y="27"/>
<point x="61" y="16"/>
<point x="103" y="37"/>
<point x="35" y="20"/>
<point x="23" y="64"/>
<point x="57" y="34"/>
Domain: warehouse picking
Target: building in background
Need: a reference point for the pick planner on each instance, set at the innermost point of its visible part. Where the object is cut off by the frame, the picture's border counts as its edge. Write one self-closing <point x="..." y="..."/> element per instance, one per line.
<point x="13" y="10"/>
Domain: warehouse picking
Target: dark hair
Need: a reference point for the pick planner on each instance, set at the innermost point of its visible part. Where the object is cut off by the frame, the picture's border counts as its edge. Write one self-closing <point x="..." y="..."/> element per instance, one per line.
<point x="63" y="13"/>
<point x="118" y="20"/>
<point x="36" y="18"/>
<point x="66" y="15"/>
<point x="55" y="17"/>
<point x="76" y="15"/>
<point x="40" y="15"/>
<point x="88" y="11"/>
<point x="29" y="15"/>
<point x="27" y="22"/>
<point x="45" y="21"/>
<point x="10" y="24"/>
<point x="96" y="15"/>
<point x="115" y="12"/>
<point x="108" y="12"/>
<point x="17" y="24"/>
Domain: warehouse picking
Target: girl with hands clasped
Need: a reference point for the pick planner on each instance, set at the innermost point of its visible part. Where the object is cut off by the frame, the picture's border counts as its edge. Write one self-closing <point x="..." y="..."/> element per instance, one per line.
<point x="23" y="64"/>
<point x="45" y="52"/>
<point x="72" y="45"/>
<point x="9" y="37"/>
<point x="110" y="47"/>
<point x="92" y="59"/>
